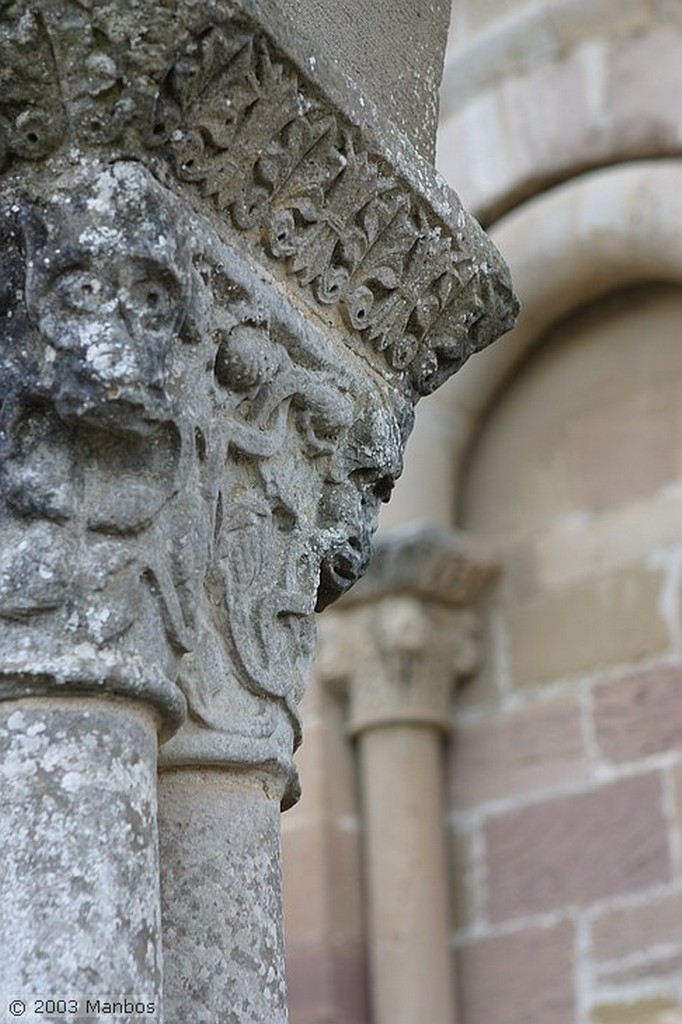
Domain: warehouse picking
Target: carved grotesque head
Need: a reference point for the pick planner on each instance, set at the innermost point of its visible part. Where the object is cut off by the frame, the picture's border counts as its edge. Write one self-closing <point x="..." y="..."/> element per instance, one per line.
<point x="363" y="472"/>
<point x="106" y="287"/>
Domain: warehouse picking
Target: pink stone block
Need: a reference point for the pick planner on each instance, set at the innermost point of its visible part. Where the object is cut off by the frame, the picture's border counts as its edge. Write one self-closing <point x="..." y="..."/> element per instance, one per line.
<point x="523" y="978"/>
<point x="576" y="849"/>
<point x="527" y="751"/>
<point x="641" y="715"/>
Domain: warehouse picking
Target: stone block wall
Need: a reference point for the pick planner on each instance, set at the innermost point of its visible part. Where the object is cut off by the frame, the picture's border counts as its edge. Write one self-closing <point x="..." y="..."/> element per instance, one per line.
<point x="565" y="773"/>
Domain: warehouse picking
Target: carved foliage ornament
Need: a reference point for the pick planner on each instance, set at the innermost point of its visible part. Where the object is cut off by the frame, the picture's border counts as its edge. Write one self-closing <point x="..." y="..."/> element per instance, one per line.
<point x="215" y="104"/>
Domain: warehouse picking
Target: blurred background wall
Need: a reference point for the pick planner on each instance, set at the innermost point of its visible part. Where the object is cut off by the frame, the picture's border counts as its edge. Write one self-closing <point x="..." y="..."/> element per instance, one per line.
<point x="561" y="448"/>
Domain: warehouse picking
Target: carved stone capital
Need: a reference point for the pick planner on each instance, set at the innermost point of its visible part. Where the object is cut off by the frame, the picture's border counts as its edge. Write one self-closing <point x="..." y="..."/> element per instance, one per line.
<point x="221" y="294"/>
<point x="399" y="643"/>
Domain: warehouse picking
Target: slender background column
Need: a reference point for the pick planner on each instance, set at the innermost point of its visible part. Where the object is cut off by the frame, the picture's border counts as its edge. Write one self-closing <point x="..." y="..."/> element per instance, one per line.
<point x="406" y="876"/>
<point x="397" y="646"/>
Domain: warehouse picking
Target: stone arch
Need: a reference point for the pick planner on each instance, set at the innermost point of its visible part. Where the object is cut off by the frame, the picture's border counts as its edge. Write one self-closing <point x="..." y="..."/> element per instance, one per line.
<point x="539" y="94"/>
<point x="609" y="229"/>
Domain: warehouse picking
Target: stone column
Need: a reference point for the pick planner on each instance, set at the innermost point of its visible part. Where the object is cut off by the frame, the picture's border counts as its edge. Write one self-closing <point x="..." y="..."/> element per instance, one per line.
<point x="224" y="286"/>
<point x="397" y="645"/>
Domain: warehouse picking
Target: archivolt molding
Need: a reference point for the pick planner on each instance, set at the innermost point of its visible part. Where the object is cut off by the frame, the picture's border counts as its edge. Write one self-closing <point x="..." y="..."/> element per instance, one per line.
<point x="532" y="36"/>
<point x="610" y="229"/>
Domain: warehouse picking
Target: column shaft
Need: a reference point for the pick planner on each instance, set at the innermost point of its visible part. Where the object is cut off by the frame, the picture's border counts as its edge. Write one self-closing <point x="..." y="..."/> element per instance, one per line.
<point x="80" y="890"/>
<point x="221" y="897"/>
<point x="406" y="875"/>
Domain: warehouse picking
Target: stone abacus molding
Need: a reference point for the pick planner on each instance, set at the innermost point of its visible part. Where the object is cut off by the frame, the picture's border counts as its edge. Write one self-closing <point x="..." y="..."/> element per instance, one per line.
<point x="216" y="107"/>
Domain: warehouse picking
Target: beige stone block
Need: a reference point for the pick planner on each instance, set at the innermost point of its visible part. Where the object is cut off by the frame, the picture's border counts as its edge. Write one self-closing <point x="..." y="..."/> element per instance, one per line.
<point x="546" y="110"/>
<point x="482" y="688"/>
<point x="663" y="1010"/>
<point x="640" y="715"/>
<point x="522" y="978"/>
<point x="476" y="150"/>
<point x="575" y="850"/>
<point x="625" y="449"/>
<point x="620" y="932"/>
<point x="527" y="751"/>
<point x="572" y="372"/>
<point x="519" y="577"/>
<point x="644" y="73"/>
<point x="585" y="626"/>
<point x="582" y="546"/>
<point x="518" y="482"/>
<point x="627" y="424"/>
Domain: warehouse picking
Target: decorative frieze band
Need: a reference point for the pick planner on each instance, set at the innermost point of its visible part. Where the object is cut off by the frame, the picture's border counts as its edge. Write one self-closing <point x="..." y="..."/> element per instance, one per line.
<point x="219" y="108"/>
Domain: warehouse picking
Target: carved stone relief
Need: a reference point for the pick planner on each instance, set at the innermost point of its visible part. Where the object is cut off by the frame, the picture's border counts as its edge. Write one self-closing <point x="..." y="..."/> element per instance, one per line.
<point x="186" y="466"/>
<point x="216" y="105"/>
<point x="219" y="301"/>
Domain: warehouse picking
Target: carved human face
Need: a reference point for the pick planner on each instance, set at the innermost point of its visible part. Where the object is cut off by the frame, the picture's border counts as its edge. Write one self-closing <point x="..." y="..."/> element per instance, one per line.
<point x="364" y="471"/>
<point x="107" y="289"/>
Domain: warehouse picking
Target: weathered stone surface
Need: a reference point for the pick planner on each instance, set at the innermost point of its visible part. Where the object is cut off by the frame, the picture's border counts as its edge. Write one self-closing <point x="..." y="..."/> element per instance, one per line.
<point x="394" y="48"/>
<point x="522" y="978"/>
<point x="79" y="885"/>
<point x="221" y="897"/>
<point x="571" y="851"/>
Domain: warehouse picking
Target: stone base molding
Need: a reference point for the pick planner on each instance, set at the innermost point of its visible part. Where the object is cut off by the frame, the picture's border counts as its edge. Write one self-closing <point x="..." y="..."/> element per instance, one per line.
<point x="222" y="290"/>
